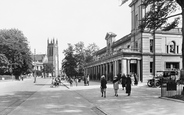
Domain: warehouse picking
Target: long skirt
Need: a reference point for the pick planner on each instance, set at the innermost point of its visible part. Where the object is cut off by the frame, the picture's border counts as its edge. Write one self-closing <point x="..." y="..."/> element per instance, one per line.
<point x="128" y="88"/>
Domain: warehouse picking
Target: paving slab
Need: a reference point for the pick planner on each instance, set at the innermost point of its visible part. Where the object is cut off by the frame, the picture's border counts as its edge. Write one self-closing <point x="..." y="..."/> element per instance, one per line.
<point x="41" y="99"/>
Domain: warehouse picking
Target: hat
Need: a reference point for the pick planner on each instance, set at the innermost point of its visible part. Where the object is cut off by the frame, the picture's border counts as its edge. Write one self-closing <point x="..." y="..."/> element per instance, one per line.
<point x="103" y="76"/>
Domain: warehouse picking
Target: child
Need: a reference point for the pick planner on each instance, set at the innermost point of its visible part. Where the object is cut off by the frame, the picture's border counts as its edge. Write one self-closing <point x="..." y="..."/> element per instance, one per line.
<point x="103" y="86"/>
<point x="116" y="85"/>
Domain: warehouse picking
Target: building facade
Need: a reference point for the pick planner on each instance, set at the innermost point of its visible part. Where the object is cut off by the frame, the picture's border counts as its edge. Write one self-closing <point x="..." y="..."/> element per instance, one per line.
<point x="38" y="61"/>
<point x="51" y="57"/>
<point x="134" y="53"/>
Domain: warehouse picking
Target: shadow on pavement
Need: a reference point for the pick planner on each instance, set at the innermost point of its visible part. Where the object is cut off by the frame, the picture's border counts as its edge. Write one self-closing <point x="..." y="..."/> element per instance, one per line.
<point x="86" y="100"/>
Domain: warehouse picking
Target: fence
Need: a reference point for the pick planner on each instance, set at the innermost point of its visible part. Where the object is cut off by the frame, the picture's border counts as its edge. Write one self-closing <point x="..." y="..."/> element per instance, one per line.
<point x="169" y="90"/>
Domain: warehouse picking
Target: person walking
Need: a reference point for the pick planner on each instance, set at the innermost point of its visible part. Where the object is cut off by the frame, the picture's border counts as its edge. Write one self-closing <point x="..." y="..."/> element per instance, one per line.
<point x="85" y="80"/>
<point x="128" y="85"/>
<point x="103" y="86"/>
<point x="76" y="81"/>
<point x="88" y="80"/>
<point x="123" y="81"/>
<point x="135" y="79"/>
<point x="116" y="85"/>
<point x="22" y="77"/>
<point x="71" y="82"/>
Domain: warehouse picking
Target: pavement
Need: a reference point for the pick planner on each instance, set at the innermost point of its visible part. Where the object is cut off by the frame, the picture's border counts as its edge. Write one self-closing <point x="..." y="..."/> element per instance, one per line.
<point x="28" y="98"/>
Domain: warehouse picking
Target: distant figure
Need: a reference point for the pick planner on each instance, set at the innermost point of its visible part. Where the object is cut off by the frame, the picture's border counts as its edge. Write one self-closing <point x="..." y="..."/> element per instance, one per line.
<point x="22" y="77"/>
<point x="70" y="81"/>
<point x="123" y="81"/>
<point x="132" y="78"/>
<point x="135" y="79"/>
<point x="103" y="86"/>
<point x="76" y="81"/>
<point x="87" y="80"/>
<point x="55" y="82"/>
<point x="128" y="85"/>
<point x="116" y="85"/>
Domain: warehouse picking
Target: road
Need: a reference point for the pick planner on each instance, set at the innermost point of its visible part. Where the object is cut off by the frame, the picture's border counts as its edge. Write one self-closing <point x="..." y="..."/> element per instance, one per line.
<point x="28" y="98"/>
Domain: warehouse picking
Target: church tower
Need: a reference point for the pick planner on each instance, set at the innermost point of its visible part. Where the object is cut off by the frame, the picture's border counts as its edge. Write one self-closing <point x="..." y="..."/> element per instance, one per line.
<point x="52" y="54"/>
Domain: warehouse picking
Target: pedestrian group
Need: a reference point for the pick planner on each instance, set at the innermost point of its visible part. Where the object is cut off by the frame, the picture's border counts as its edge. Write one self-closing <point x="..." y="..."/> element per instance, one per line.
<point x="126" y="82"/>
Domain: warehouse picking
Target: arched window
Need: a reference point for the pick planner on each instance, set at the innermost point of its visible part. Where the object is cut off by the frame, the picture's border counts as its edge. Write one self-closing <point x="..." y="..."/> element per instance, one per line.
<point x="172" y="47"/>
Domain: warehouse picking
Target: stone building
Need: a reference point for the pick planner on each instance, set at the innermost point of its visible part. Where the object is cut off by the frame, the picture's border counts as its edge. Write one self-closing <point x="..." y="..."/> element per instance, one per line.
<point x="39" y="60"/>
<point x="51" y="57"/>
<point x="134" y="53"/>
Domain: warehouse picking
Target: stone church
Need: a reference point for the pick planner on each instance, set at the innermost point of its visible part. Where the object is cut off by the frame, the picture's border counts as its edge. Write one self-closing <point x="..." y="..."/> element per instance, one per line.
<point x="52" y="57"/>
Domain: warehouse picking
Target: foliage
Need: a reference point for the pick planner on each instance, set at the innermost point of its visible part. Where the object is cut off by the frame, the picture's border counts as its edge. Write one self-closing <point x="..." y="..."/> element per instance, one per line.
<point x="79" y="55"/>
<point x="69" y="63"/>
<point x="48" y="68"/>
<point x="76" y="57"/>
<point x="14" y="46"/>
<point x="4" y="63"/>
<point x="157" y="15"/>
<point x="90" y="50"/>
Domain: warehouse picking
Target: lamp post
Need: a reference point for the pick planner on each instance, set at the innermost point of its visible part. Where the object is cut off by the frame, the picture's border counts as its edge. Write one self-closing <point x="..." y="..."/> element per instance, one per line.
<point x="154" y="49"/>
<point x="34" y="73"/>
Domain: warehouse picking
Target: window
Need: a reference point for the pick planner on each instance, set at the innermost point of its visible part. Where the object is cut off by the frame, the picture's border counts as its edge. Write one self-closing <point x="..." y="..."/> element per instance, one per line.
<point x="172" y="47"/>
<point x="136" y="21"/>
<point x="151" y="45"/>
<point x="151" y="67"/>
<point x="172" y="65"/>
<point x="136" y="44"/>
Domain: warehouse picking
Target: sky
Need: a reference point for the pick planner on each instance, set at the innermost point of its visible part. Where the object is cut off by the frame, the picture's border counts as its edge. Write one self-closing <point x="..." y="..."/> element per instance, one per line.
<point x="68" y="21"/>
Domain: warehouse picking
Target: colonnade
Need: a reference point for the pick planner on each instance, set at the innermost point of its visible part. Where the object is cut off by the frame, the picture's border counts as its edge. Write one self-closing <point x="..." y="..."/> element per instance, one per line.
<point x="111" y="68"/>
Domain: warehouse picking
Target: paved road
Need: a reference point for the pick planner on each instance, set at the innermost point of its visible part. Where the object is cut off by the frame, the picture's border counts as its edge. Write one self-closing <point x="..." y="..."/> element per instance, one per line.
<point x="27" y="98"/>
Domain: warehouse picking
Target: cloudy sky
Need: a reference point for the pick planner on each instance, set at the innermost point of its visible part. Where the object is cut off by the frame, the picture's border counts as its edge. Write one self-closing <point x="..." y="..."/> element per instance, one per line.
<point x="69" y="21"/>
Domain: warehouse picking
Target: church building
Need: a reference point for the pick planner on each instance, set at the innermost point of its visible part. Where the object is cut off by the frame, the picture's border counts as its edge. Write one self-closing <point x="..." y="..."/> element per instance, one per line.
<point x="51" y="57"/>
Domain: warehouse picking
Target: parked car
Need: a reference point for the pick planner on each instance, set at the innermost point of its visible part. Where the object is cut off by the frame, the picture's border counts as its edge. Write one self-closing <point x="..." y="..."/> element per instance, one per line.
<point x="162" y="78"/>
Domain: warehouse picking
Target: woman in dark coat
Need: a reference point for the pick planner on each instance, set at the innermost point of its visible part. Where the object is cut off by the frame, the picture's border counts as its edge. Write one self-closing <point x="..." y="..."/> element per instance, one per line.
<point x="123" y="81"/>
<point x="128" y="85"/>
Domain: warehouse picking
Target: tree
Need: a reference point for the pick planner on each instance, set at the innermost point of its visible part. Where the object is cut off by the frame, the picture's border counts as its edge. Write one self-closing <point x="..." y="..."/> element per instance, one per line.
<point x="158" y="15"/>
<point x="79" y="55"/>
<point x="48" y="68"/>
<point x="76" y="57"/>
<point x="14" y="46"/>
<point x="90" y="50"/>
<point x="4" y="63"/>
<point x="69" y="63"/>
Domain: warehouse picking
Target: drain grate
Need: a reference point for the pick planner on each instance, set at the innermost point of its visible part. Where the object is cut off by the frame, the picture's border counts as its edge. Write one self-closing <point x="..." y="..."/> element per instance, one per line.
<point x="98" y="111"/>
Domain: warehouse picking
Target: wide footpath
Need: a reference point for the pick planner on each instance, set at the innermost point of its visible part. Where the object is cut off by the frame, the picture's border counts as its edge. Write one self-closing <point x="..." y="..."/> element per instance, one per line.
<point x="28" y="98"/>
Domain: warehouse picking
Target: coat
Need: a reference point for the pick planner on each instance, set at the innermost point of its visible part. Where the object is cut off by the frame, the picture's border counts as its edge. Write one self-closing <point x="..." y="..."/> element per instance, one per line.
<point x="103" y="83"/>
<point x="123" y="80"/>
<point x="116" y="84"/>
<point x="128" y="85"/>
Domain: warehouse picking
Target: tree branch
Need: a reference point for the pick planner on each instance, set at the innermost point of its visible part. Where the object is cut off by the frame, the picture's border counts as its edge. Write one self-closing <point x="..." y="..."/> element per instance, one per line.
<point x="173" y="16"/>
